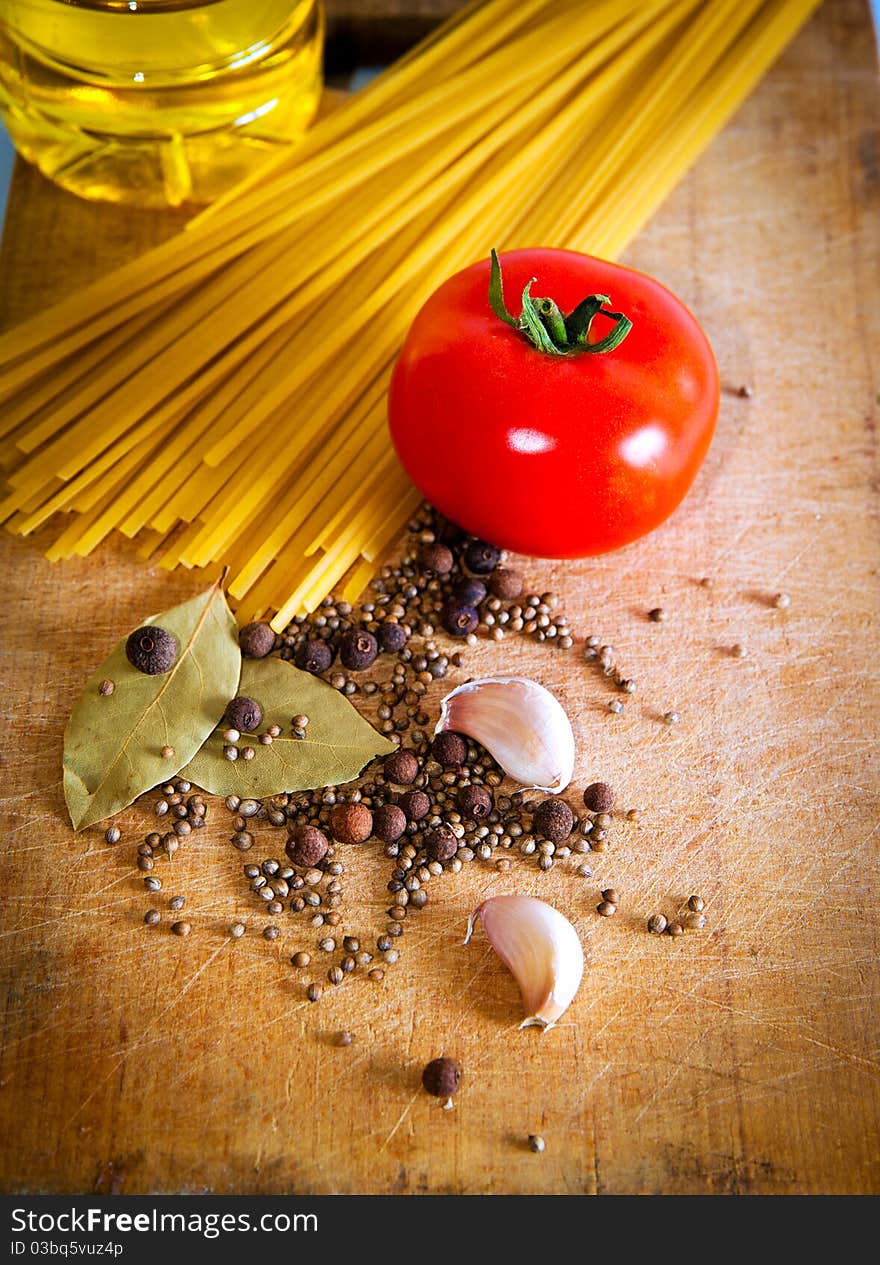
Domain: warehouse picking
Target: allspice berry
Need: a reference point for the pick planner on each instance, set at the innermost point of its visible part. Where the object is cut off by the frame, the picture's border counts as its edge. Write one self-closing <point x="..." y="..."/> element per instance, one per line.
<point x="481" y="557"/>
<point x="401" y="767"/>
<point x="256" y="640"/>
<point x="449" y="748"/>
<point x="244" y="714"/>
<point x="351" y="823"/>
<point x="151" y="650"/>
<point x="470" y="591"/>
<point x="458" y="618"/>
<point x="553" y="820"/>
<point x="389" y="823"/>
<point x="441" y="1077"/>
<point x="392" y="637"/>
<point x="475" y="802"/>
<point x="358" y="649"/>
<point x="415" y="804"/>
<point x="306" y="845"/>
<point x="505" y="583"/>
<point x="599" y="797"/>
<point x="441" y="844"/>
<point x="314" y="655"/>
<point x="436" y="559"/>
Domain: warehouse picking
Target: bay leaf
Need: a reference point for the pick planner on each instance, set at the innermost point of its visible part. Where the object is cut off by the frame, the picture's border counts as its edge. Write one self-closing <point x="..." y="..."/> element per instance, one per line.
<point x="337" y="746"/>
<point x="113" y="743"/>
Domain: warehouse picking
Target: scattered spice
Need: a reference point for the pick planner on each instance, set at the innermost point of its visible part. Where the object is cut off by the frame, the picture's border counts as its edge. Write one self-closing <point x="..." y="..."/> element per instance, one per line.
<point x="256" y="640"/>
<point x="106" y="687"/>
<point x="167" y="753"/>
<point x="244" y="714"/>
<point x="696" y="904"/>
<point x="351" y="823"/>
<point x="151" y="650"/>
<point x="181" y="928"/>
<point x="554" y="820"/>
<point x="606" y="908"/>
<point x="401" y="768"/>
<point x="237" y="930"/>
<point x="343" y="1038"/>
<point x="675" y="929"/>
<point x="449" y="748"/>
<point x="481" y="557"/>
<point x="657" y="615"/>
<point x="458" y="618"/>
<point x="657" y="924"/>
<point x="358" y="650"/>
<point x="436" y="558"/>
<point x="441" y="844"/>
<point x="782" y="601"/>
<point x="152" y="917"/>
<point x="441" y="1077"/>
<point x="537" y="1145"/>
<point x="599" y="797"/>
<point x="389" y="822"/>
<point x="671" y="718"/>
<point x="314" y="656"/>
<point x="306" y="845"/>
<point x="475" y="801"/>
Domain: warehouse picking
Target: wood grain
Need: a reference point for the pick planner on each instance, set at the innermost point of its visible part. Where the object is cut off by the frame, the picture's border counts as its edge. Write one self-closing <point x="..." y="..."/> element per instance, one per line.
<point x="741" y="1059"/>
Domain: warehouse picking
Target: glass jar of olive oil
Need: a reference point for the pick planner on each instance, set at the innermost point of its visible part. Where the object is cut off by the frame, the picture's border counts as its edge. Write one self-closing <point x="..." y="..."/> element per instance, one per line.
<point x="157" y="102"/>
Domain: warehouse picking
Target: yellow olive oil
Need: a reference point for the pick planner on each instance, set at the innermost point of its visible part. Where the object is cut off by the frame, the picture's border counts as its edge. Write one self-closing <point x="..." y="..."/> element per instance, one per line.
<point x="157" y="102"/>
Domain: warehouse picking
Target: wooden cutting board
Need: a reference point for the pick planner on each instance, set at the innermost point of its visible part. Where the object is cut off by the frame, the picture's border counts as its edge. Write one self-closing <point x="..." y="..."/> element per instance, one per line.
<point x="740" y="1059"/>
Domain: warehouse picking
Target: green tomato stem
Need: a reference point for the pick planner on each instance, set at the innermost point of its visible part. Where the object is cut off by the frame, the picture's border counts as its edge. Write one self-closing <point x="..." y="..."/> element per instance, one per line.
<point x="543" y="324"/>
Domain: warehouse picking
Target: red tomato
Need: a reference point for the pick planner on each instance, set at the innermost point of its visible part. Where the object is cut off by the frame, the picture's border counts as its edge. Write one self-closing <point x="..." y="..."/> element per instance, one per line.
<point x="559" y="456"/>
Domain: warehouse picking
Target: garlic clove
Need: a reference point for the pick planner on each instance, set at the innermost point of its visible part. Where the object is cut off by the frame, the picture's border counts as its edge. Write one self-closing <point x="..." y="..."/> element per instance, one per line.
<point x="540" y="948"/>
<point x="521" y="725"/>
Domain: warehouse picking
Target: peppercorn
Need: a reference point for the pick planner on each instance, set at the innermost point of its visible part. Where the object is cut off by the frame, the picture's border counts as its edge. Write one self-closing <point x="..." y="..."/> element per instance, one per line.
<point x="151" y="650"/>
<point x="389" y="823"/>
<point x="446" y="531"/>
<point x="351" y="823"/>
<point x="612" y="895"/>
<point x="358" y="650"/>
<point x="657" y="615"/>
<point x="244" y="714"/>
<point x="553" y="820"/>
<point x="392" y="637"/>
<point x="436" y="558"/>
<point x="256" y="640"/>
<point x="470" y="591"/>
<point x="106" y="687"/>
<point x="401" y="767"/>
<point x="416" y="805"/>
<point x="458" y="619"/>
<point x="599" y="797"/>
<point x="113" y="834"/>
<point x="314" y="656"/>
<point x="657" y="924"/>
<point x="475" y="802"/>
<point x="181" y="928"/>
<point x="696" y="904"/>
<point x="606" y="908"/>
<point x="441" y="844"/>
<point x="506" y="584"/>
<point x="306" y="845"/>
<point x="449" y="747"/>
<point x="441" y="1077"/>
<point x="675" y="929"/>
<point x="481" y="557"/>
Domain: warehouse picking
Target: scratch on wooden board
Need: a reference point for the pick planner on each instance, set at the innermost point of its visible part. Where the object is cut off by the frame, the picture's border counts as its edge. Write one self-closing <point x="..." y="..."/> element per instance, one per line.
<point x="139" y="1044"/>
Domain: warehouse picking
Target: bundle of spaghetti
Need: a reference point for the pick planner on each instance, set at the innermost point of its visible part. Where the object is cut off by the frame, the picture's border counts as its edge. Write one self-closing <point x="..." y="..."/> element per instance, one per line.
<point x="222" y="396"/>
